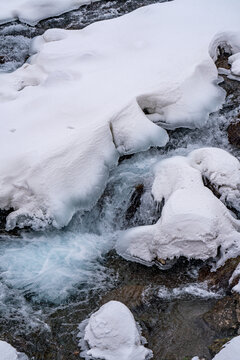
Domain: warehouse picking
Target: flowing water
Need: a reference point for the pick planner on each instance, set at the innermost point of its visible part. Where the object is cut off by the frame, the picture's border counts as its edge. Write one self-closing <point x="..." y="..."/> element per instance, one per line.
<point x="51" y="281"/>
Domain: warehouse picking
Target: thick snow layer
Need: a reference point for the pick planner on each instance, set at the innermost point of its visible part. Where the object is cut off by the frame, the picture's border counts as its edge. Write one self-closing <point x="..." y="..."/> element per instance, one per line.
<point x="7" y="352"/>
<point x="68" y="113"/>
<point x="230" y="350"/>
<point x="193" y="223"/>
<point x="112" y="334"/>
<point x="32" y="11"/>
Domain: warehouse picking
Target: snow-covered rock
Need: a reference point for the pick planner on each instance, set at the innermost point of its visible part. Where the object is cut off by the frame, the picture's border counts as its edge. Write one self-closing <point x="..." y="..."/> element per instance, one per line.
<point x="112" y="334"/>
<point x="221" y="169"/>
<point x="193" y="223"/>
<point x="7" y="352"/>
<point x="32" y="11"/>
<point x="230" y="350"/>
<point x="77" y="104"/>
<point x="230" y="42"/>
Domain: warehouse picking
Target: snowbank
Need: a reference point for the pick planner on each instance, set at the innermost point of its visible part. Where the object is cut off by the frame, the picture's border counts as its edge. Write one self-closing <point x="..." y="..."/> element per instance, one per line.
<point x="230" y="350"/>
<point x="193" y="223"/>
<point x="68" y="113"/>
<point x="7" y="352"/>
<point x="112" y="334"/>
<point x="32" y="11"/>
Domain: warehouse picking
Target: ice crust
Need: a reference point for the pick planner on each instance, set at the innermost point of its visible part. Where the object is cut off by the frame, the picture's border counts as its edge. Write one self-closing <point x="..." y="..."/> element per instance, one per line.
<point x="7" y="352"/>
<point x="32" y="11"/>
<point x="193" y="223"/>
<point x="77" y="104"/>
<point x="112" y="334"/>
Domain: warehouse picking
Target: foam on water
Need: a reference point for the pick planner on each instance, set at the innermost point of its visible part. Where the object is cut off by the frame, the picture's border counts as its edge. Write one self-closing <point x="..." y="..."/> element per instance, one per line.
<point x="48" y="268"/>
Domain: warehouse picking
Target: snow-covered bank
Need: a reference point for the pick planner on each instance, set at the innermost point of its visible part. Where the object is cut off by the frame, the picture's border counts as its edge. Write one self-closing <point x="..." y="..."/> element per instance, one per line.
<point x="32" y="11"/>
<point x="68" y="114"/>
<point x="7" y="352"/>
<point x="193" y="223"/>
<point x="112" y="334"/>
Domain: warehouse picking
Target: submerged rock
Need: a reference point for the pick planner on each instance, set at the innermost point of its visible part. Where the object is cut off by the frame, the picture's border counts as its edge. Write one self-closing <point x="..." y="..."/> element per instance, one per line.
<point x="225" y="315"/>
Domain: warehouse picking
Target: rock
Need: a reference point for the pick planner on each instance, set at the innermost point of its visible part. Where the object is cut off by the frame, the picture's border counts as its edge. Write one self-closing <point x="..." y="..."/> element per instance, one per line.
<point x="225" y="315"/>
<point x="135" y="201"/>
<point x="234" y="133"/>
<point x="2" y="59"/>
<point x="220" y="279"/>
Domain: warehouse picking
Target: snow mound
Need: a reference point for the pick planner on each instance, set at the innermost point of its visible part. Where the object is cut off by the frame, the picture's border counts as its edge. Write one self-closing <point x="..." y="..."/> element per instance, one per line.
<point x="194" y="223"/>
<point x="230" y="350"/>
<point x="222" y="170"/>
<point x="7" y="352"/>
<point x="112" y="334"/>
<point x="78" y="103"/>
<point x="230" y="43"/>
<point x="32" y="11"/>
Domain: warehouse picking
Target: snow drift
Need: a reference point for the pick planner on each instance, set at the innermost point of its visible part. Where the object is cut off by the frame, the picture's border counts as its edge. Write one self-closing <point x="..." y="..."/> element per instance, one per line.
<point x="194" y="223"/>
<point x="112" y="334"/>
<point x="32" y="11"/>
<point x="78" y="103"/>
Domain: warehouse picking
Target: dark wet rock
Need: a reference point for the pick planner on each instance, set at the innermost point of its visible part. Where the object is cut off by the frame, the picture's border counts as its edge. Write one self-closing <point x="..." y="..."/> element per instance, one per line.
<point x="219" y="279"/>
<point x="2" y="59"/>
<point x="224" y="317"/>
<point x="222" y="60"/>
<point x="234" y="133"/>
<point x="135" y="201"/>
<point x="211" y="186"/>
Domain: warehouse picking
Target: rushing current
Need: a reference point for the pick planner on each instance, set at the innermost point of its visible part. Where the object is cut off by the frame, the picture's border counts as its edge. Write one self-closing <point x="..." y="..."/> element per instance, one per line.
<point x="50" y="281"/>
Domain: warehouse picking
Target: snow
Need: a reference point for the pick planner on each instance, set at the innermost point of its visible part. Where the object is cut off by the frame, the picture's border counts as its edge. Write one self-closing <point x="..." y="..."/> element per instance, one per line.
<point x="7" y="352"/>
<point x="221" y="169"/>
<point x="230" y="350"/>
<point x="193" y="223"/>
<point x="68" y="113"/>
<point x="112" y="334"/>
<point x="230" y="42"/>
<point x="32" y="11"/>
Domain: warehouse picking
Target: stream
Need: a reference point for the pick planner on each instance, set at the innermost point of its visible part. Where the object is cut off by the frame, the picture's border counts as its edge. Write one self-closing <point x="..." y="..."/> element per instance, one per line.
<point x="51" y="281"/>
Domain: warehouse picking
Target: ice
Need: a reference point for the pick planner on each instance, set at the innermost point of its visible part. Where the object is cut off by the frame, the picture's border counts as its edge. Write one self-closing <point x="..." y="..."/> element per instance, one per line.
<point x="32" y="11"/>
<point x="78" y="103"/>
<point x="193" y="222"/>
<point x="112" y="334"/>
<point x="229" y="350"/>
<point x="7" y="352"/>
